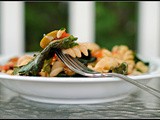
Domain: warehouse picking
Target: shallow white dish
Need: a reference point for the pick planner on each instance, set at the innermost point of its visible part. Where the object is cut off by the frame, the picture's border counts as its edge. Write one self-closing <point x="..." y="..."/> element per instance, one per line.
<point x="77" y="90"/>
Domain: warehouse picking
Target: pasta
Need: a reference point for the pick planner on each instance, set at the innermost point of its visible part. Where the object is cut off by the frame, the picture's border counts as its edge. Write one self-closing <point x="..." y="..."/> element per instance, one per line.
<point x="76" y="51"/>
<point x="23" y="60"/>
<point x="140" y="66"/>
<point x="57" y="67"/>
<point x="91" y="54"/>
<point x="104" y="64"/>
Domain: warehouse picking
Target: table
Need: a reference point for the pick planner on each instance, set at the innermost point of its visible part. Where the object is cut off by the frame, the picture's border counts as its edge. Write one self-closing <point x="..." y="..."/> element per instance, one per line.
<point x="137" y="105"/>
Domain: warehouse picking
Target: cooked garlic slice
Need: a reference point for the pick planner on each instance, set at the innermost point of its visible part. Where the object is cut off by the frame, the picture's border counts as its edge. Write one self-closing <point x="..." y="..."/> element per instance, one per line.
<point x="60" y="32"/>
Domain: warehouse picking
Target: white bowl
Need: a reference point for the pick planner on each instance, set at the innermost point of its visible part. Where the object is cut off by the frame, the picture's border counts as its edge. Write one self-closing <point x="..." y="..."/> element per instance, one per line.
<point x="75" y="90"/>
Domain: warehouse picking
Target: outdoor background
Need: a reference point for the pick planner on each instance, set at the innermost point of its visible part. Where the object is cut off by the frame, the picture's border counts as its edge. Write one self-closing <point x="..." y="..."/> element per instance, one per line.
<point x="115" y="22"/>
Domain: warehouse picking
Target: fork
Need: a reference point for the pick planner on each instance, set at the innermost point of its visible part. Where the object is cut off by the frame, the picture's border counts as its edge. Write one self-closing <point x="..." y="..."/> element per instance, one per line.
<point x="75" y="65"/>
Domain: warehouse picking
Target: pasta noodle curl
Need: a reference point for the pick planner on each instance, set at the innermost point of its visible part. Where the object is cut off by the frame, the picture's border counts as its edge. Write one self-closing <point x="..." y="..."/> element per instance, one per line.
<point x="76" y="51"/>
<point x="57" y="67"/>
<point x="23" y="60"/>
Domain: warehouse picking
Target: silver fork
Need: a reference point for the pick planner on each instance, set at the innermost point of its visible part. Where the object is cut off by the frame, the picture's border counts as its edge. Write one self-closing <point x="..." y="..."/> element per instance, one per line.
<point x="78" y="67"/>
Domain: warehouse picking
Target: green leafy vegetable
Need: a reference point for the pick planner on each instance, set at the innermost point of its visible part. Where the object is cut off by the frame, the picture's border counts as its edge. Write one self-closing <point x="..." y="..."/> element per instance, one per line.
<point x="87" y="59"/>
<point x="46" y="66"/>
<point x="35" y="66"/>
<point x="121" y="69"/>
<point x="63" y="29"/>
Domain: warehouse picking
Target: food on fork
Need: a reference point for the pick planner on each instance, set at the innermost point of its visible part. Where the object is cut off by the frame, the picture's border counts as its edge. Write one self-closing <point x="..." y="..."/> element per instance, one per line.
<point x="120" y="59"/>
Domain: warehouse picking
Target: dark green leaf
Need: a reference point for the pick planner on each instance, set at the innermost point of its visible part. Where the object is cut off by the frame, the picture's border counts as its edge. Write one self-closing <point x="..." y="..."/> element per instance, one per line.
<point x="87" y="59"/>
<point x="121" y="69"/>
<point x="46" y="66"/>
<point x="35" y="66"/>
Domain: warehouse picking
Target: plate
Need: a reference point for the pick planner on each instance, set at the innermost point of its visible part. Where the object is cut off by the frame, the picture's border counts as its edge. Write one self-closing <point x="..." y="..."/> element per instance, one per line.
<point x="75" y="90"/>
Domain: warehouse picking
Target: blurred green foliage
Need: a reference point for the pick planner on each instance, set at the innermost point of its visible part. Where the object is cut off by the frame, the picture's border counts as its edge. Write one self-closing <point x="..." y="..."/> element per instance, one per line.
<point x="41" y="18"/>
<point x="116" y="22"/>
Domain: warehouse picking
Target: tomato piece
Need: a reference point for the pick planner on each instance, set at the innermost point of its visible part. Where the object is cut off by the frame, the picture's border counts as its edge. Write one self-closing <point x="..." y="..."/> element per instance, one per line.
<point x="64" y="35"/>
<point x="0" y="68"/>
<point x="97" y="54"/>
<point x="54" y="58"/>
<point x="5" y="67"/>
<point x="14" y="59"/>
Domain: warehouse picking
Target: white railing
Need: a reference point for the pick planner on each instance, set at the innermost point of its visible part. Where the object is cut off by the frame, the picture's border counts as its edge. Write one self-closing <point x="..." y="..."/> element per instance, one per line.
<point x="149" y="32"/>
<point x="12" y="27"/>
<point x="82" y="20"/>
<point x="81" y="24"/>
<point x="149" y="29"/>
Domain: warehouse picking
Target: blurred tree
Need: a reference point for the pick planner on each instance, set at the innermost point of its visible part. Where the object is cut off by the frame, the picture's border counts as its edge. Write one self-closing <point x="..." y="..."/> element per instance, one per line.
<point x="116" y="24"/>
<point x="41" y="18"/>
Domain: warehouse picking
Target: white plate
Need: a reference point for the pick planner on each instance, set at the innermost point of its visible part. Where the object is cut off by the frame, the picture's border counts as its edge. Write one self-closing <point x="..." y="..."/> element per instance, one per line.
<point x="75" y="90"/>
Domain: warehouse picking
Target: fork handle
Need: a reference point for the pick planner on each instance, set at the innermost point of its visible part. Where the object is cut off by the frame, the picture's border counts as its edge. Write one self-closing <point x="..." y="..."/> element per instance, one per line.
<point x="138" y="84"/>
